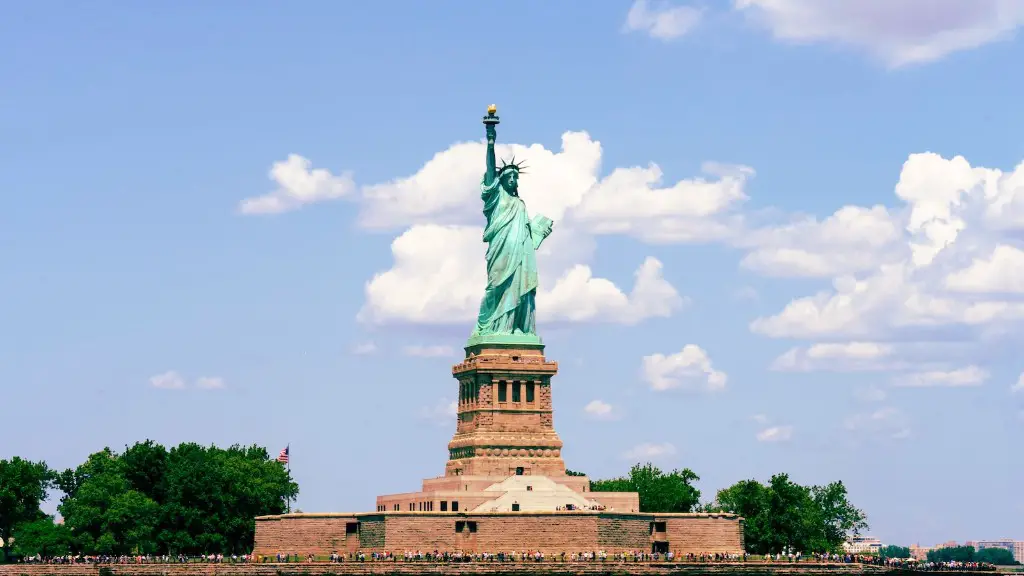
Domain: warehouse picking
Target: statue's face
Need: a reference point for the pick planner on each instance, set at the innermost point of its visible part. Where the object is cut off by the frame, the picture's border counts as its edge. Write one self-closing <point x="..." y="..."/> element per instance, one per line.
<point x="511" y="180"/>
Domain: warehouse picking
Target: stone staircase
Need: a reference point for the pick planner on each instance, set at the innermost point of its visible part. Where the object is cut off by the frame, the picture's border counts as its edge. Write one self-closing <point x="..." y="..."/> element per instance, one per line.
<point x="533" y="494"/>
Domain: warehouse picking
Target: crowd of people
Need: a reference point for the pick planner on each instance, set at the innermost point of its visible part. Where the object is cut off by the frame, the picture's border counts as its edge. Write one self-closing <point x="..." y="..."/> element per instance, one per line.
<point x="521" y="556"/>
<point x="914" y="564"/>
<point x="138" y="559"/>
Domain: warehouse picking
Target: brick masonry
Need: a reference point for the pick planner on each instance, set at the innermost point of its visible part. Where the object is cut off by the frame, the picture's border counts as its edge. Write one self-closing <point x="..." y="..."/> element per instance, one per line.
<point x="505" y="427"/>
<point x="425" y="568"/>
<point x="505" y="414"/>
<point x="548" y="532"/>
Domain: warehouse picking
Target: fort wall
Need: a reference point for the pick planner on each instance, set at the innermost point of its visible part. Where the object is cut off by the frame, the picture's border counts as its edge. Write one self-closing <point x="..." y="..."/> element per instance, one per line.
<point x="547" y="532"/>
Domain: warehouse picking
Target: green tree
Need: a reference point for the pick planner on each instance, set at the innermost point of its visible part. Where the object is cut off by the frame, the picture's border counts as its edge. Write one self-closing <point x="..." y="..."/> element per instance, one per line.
<point x="105" y="514"/>
<point x="42" y="537"/>
<point x="894" y="552"/>
<point x="23" y="486"/>
<point x="659" y="491"/>
<point x="784" y="514"/>
<point x="952" y="554"/>
<point x="190" y="499"/>
<point x="749" y="499"/>
<point x="997" y="556"/>
<point x="833" y="519"/>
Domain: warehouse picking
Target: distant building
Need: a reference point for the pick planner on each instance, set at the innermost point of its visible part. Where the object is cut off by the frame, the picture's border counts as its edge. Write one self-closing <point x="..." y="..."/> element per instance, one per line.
<point x="1015" y="547"/>
<point x="920" y="552"/>
<point x="862" y="545"/>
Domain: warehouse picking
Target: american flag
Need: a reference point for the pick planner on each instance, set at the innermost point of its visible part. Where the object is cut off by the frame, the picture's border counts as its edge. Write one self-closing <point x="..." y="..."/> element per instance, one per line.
<point x="283" y="456"/>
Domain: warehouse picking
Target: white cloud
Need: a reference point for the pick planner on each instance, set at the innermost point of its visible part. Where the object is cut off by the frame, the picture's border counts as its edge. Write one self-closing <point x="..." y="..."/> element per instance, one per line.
<point x="438" y="271"/>
<point x="897" y="32"/>
<point x="567" y="187"/>
<point x="1019" y="386"/>
<point x="631" y="201"/>
<point x="663" y="20"/>
<point x="956" y="217"/>
<point x="845" y="357"/>
<point x="690" y="368"/>
<point x="854" y="239"/>
<point x="579" y="297"/>
<point x="760" y="418"/>
<point x="442" y="413"/>
<point x="364" y="348"/>
<point x="884" y="423"/>
<point x="446" y="190"/>
<point x="967" y="376"/>
<point x="775" y="434"/>
<point x="210" y="382"/>
<point x="297" y="184"/>
<point x="439" y="275"/>
<point x="650" y="451"/>
<point x="1000" y="271"/>
<point x="599" y="410"/>
<point x="429" y="351"/>
<point x="169" y="380"/>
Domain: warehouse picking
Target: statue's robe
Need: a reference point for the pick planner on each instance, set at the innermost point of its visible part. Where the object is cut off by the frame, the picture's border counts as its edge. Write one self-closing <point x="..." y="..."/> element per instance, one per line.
<point x="508" y="306"/>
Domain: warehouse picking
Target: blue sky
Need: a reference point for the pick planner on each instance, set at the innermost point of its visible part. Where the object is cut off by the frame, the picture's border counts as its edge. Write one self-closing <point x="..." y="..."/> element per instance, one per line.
<point x="244" y="222"/>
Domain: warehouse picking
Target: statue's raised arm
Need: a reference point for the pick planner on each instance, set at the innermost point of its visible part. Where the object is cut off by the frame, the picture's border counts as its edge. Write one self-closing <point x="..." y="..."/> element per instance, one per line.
<point x="491" y="123"/>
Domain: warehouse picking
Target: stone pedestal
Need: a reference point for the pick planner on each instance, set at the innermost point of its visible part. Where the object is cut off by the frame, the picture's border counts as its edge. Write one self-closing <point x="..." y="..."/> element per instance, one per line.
<point x="505" y="424"/>
<point x="505" y="455"/>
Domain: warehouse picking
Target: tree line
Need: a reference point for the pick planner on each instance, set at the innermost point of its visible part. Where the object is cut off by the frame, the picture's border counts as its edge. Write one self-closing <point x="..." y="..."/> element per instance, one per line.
<point x="779" y="514"/>
<point x="997" y="556"/>
<point x="148" y="499"/>
<point x="193" y="499"/>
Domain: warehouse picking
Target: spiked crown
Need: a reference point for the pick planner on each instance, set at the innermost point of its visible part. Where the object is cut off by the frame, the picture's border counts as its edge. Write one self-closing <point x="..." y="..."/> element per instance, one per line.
<point x="511" y="165"/>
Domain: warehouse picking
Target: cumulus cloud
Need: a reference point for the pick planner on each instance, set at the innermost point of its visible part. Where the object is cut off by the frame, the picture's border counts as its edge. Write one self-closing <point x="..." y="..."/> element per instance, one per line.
<point x="848" y="356"/>
<point x="429" y="351"/>
<point x="854" y="239"/>
<point x="439" y="275"/>
<point x="210" y="382"/>
<point x="1019" y="386"/>
<point x="689" y="369"/>
<point x="298" y="183"/>
<point x="632" y="201"/>
<point x="446" y="190"/>
<point x="1000" y="271"/>
<point x="650" y="451"/>
<point x="579" y="297"/>
<point x="438" y="270"/>
<point x="951" y="272"/>
<point x="567" y="187"/>
<point x="599" y="410"/>
<point x="967" y="376"/>
<point x="775" y="434"/>
<point x="169" y="380"/>
<point x="898" y="33"/>
<point x="661" y="20"/>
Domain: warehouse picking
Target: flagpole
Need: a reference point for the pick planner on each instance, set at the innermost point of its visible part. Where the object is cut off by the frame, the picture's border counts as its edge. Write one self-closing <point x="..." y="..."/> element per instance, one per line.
<point x="288" y="450"/>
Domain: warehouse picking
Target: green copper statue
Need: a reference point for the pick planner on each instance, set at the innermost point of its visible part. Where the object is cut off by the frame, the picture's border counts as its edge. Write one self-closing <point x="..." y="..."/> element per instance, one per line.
<point x="507" y="312"/>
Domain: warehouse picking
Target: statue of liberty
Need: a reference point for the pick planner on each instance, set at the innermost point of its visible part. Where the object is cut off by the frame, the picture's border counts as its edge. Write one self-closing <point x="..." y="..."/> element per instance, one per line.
<point x="508" y="307"/>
